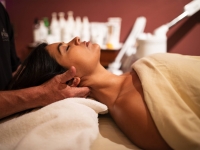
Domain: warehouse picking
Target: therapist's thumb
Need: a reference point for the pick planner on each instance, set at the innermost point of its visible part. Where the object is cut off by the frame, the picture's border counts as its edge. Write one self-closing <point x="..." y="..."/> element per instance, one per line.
<point x="68" y="75"/>
<point x="79" y="91"/>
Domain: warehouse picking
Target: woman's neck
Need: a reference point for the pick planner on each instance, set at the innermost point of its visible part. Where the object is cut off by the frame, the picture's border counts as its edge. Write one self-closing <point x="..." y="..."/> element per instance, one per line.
<point x="105" y="86"/>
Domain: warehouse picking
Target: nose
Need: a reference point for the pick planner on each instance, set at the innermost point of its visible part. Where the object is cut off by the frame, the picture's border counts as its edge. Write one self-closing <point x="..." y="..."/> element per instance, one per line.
<point x="77" y="40"/>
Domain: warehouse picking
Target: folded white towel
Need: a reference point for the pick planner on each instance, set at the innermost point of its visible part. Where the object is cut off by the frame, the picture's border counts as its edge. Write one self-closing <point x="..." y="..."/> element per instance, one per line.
<point x="67" y="124"/>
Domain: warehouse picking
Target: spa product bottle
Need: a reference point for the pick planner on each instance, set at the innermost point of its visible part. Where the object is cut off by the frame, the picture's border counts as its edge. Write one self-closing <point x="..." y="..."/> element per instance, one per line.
<point x="55" y="28"/>
<point x="85" y="34"/>
<point x="71" y="23"/>
<point x="43" y="32"/>
<point x="35" y="31"/>
<point x="46" y="23"/>
<point x="62" y="23"/>
<point x="77" y="27"/>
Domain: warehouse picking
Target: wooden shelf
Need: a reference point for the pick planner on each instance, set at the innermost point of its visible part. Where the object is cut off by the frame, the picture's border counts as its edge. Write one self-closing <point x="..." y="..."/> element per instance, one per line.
<point x="107" y="57"/>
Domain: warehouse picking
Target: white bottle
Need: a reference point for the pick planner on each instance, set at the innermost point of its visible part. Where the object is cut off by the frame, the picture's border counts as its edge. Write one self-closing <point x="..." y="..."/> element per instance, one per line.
<point x="62" y="23"/>
<point x="43" y="32"/>
<point x="77" y="27"/>
<point x="36" y="36"/>
<point x="71" y="23"/>
<point x="85" y="34"/>
<point x="114" y="24"/>
<point x="55" y="28"/>
<point x="61" y="19"/>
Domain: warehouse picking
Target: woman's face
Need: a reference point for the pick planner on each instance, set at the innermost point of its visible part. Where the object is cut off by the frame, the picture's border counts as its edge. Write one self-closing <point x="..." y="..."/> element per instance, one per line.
<point x="84" y="56"/>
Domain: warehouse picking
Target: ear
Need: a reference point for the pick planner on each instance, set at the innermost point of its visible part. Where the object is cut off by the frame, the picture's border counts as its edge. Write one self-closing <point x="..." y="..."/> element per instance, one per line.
<point x="75" y="82"/>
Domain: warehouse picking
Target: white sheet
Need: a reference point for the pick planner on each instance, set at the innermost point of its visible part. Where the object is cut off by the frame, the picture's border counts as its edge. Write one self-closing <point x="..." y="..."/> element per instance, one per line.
<point x="68" y="124"/>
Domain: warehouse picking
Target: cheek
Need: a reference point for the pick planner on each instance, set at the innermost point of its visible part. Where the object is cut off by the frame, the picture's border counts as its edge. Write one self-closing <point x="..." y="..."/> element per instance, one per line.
<point x="76" y="62"/>
<point x="84" y="61"/>
<point x="64" y="62"/>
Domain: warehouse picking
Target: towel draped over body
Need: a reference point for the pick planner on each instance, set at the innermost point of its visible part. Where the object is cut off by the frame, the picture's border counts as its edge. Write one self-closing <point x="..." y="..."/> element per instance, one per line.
<point x="171" y="86"/>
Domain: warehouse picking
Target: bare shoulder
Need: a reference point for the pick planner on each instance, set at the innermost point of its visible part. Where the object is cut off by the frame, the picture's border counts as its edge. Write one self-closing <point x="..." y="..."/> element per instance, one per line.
<point x="133" y="117"/>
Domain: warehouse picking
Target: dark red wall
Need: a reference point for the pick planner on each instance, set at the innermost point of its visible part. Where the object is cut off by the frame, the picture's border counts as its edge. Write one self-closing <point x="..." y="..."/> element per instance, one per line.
<point x="183" y="38"/>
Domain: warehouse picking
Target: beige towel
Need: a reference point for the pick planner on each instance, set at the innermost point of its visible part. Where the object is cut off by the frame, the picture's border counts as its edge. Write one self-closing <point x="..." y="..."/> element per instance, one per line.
<point x="171" y="85"/>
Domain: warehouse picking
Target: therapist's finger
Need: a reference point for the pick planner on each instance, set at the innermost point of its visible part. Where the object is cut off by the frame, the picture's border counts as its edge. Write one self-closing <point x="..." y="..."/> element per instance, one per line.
<point x="80" y="91"/>
<point x="68" y="75"/>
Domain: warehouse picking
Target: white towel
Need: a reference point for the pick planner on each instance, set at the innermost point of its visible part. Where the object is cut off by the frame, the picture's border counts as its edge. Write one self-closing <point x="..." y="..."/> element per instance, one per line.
<point x="67" y="124"/>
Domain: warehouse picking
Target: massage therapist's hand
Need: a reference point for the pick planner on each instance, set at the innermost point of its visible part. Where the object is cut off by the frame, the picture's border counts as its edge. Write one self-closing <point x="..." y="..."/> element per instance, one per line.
<point x="57" y="89"/>
<point x="51" y="91"/>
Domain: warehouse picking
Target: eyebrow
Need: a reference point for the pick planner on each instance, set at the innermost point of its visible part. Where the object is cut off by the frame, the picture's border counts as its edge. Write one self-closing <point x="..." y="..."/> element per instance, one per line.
<point x="58" y="48"/>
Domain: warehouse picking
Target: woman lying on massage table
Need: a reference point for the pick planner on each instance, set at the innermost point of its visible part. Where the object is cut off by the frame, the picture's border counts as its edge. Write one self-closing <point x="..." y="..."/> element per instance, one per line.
<point x="145" y="103"/>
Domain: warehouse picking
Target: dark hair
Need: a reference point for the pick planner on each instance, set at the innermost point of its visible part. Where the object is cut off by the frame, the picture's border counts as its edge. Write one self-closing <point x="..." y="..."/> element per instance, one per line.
<point x="37" y="68"/>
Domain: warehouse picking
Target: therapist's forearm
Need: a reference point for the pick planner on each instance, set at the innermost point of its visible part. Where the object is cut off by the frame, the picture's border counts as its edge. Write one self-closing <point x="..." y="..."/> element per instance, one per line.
<point x="18" y="100"/>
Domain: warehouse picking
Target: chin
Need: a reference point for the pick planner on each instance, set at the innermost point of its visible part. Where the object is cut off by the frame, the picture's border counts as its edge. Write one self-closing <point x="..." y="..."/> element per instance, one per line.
<point x="97" y="46"/>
